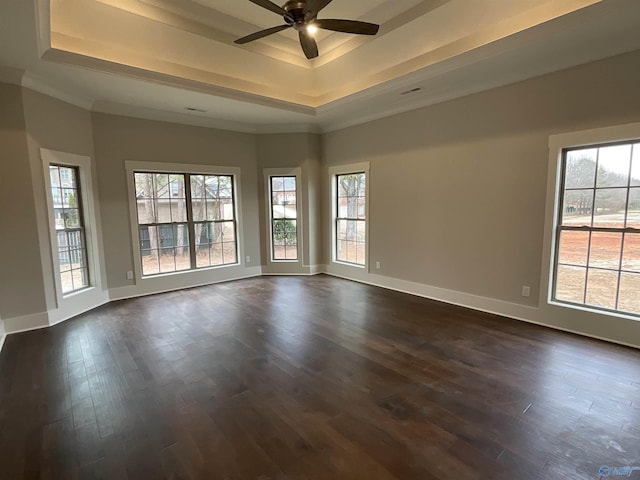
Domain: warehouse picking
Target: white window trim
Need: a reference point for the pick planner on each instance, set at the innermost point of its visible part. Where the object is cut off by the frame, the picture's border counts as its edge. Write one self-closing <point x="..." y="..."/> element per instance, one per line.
<point x="557" y="144"/>
<point x="85" y="173"/>
<point x="284" y="172"/>
<point x="333" y="174"/>
<point x="155" y="167"/>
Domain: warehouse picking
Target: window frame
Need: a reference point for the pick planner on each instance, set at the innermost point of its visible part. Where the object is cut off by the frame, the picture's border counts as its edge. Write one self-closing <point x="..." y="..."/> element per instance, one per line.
<point x="635" y="150"/>
<point x="89" y="215"/>
<point x="269" y="173"/>
<point x="81" y="229"/>
<point x="558" y="144"/>
<point x="133" y="167"/>
<point x="334" y="173"/>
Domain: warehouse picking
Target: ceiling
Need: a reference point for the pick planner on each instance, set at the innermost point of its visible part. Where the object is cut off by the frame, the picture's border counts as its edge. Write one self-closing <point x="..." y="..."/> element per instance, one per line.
<point x="158" y="58"/>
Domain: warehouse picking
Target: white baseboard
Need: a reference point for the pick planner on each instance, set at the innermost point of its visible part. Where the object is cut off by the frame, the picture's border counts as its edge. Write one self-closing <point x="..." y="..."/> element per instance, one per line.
<point x="142" y="289"/>
<point x="77" y="305"/>
<point x="502" y="308"/>
<point x="307" y="270"/>
<point x="25" y="323"/>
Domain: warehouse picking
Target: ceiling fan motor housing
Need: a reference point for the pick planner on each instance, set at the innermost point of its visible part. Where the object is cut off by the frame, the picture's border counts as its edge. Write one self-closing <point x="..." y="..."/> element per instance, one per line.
<point x="298" y="12"/>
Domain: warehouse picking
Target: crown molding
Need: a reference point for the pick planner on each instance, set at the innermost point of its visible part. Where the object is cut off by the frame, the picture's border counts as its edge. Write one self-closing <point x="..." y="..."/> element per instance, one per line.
<point x="38" y="84"/>
<point x="288" y="128"/>
<point x="194" y="120"/>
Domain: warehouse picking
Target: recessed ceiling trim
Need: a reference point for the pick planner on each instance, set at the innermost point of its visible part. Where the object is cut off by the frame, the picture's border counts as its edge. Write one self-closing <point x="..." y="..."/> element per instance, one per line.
<point x="496" y="35"/>
<point x="175" y="20"/>
<point x="64" y="51"/>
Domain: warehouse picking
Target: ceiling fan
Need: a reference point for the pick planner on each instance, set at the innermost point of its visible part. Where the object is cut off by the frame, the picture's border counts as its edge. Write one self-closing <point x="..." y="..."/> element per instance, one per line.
<point x="301" y="15"/>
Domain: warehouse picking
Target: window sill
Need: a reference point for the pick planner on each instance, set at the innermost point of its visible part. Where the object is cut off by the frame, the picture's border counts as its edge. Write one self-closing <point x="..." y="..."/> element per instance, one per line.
<point x="190" y="271"/>
<point x="347" y="264"/>
<point x="594" y="310"/>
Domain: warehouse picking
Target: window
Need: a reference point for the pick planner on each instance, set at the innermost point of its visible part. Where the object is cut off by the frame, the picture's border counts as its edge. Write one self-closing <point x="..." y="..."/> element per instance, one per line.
<point x="350" y="221"/>
<point x="597" y="261"/>
<point x="284" y="218"/>
<point x="185" y="221"/>
<point x="69" y="228"/>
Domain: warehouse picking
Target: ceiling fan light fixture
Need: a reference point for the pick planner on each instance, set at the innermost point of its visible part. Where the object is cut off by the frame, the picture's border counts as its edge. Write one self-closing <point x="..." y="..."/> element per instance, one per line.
<point x="301" y="15"/>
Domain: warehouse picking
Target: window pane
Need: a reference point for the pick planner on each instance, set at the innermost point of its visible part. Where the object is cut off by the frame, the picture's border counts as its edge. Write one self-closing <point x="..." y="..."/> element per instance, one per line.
<point x="225" y="186"/>
<point x="277" y="184"/>
<point x="290" y="183"/>
<point x="167" y="260"/>
<point x="577" y="207"/>
<point x="229" y="253"/>
<point x="605" y="250"/>
<point x="633" y="212"/>
<point x="613" y="166"/>
<point x="178" y="210"/>
<point x="161" y="185"/>
<point x="66" y="279"/>
<point x="199" y="209"/>
<point x="164" y="211"/>
<point x="570" y="283"/>
<point x="574" y="247"/>
<point x="360" y="232"/>
<point x="631" y="253"/>
<point x="610" y="208"/>
<point x="581" y="168"/>
<point x="628" y="297"/>
<point x="72" y="217"/>
<point x="362" y="208"/>
<point x="197" y="186"/>
<point x="226" y="209"/>
<point x="602" y="286"/>
<point x="150" y="262"/>
<point x="176" y="186"/>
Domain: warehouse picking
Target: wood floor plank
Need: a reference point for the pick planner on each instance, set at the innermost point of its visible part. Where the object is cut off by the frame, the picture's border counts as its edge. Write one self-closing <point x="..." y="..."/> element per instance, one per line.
<point x="311" y="378"/>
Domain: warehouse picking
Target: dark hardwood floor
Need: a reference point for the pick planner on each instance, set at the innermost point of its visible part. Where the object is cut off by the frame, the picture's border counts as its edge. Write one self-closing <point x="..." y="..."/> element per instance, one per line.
<point x="312" y="378"/>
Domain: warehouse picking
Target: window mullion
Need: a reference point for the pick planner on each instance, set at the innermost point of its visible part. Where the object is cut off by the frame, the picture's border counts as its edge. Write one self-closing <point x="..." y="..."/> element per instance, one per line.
<point x="190" y="225"/>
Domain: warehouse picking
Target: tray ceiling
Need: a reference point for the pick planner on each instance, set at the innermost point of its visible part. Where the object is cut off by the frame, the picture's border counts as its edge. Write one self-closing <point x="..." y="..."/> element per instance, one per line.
<point x="180" y="53"/>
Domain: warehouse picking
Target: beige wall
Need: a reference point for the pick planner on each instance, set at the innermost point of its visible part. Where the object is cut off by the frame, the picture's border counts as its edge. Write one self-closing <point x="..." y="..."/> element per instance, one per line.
<point x="120" y="139"/>
<point x="21" y="280"/>
<point x="458" y="190"/>
<point x="293" y="150"/>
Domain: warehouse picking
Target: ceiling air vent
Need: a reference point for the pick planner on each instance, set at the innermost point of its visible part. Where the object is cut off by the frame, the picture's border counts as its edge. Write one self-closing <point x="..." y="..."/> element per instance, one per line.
<point x="413" y="90"/>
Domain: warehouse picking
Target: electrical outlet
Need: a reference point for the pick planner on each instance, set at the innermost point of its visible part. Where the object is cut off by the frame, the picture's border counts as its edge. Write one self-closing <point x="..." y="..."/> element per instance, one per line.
<point x="247" y="259"/>
<point x="129" y="275"/>
<point x="526" y="291"/>
<point x="377" y="265"/>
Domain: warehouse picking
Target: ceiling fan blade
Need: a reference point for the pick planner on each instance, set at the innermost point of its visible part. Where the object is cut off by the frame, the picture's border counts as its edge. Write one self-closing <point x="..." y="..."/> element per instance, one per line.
<point x="271" y="6"/>
<point x="348" y="26"/>
<point x="317" y="5"/>
<point x="261" y="34"/>
<point x="309" y="45"/>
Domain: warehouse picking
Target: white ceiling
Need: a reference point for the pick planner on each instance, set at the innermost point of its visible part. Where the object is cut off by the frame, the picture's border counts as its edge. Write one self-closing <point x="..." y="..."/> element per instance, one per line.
<point x="154" y="58"/>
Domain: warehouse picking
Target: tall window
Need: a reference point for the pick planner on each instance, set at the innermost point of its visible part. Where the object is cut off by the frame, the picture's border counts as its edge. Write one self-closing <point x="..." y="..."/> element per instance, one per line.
<point x="185" y="221"/>
<point x="598" y="234"/>
<point x="350" y="228"/>
<point x="69" y="225"/>
<point x="284" y="218"/>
